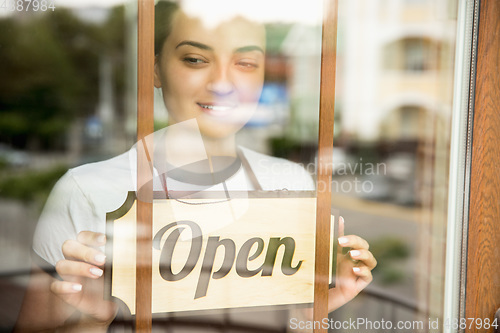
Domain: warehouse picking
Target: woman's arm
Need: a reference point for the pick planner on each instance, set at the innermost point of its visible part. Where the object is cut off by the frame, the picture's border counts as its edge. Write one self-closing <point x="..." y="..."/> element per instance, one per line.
<point x="41" y="309"/>
<point x="74" y="303"/>
<point x="353" y="274"/>
<point x="354" y="269"/>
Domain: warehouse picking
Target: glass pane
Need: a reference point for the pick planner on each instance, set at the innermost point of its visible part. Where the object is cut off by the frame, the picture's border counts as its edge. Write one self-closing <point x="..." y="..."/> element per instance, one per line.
<point x="233" y="86"/>
<point x="252" y="75"/>
<point x="394" y="102"/>
<point x="68" y="98"/>
<point x="64" y="102"/>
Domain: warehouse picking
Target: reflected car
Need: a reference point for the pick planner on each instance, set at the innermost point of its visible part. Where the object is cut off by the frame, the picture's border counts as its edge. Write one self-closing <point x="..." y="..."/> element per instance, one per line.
<point x="397" y="185"/>
<point x="13" y="158"/>
<point x="401" y="166"/>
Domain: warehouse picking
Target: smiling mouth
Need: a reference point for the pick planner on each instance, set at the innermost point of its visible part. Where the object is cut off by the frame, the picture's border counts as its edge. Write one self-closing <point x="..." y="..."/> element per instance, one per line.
<point x="216" y="110"/>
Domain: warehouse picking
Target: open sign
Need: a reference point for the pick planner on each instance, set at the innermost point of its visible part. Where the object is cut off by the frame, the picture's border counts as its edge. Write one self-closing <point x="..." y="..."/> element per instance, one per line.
<point x="261" y="254"/>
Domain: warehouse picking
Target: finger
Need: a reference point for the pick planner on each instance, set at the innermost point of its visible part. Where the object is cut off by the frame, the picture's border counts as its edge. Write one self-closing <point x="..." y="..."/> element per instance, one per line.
<point x="90" y="238"/>
<point x="77" y="251"/>
<point x="363" y="272"/>
<point x="78" y="268"/>
<point x="364" y="256"/>
<point x="354" y="242"/>
<point x="341" y="226"/>
<point x="65" y="287"/>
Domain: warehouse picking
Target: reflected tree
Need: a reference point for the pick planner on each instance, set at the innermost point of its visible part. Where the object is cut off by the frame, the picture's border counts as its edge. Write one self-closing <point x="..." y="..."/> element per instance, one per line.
<point x="49" y="74"/>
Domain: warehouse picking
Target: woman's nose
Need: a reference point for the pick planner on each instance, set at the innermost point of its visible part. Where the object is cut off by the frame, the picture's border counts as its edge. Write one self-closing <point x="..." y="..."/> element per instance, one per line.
<point x="220" y="83"/>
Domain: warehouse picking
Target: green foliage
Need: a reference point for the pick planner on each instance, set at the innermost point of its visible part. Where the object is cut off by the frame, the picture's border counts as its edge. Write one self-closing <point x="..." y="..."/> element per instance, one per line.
<point x="4" y="164"/>
<point x="390" y="248"/>
<point x="50" y="74"/>
<point x="389" y="252"/>
<point x="32" y="96"/>
<point x="158" y="124"/>
<point x="275" y="35"/>
<point x="293" y="150"/>
<point x="390" y="275"/>
<point x="31" y="185"/>
<point x="283" y="147"/>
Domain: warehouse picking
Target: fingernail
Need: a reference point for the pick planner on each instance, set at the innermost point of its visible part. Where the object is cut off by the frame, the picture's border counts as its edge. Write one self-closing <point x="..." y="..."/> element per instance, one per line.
<point x="101" y="239"/>
<point x="343" y="240"/>
<point x="355" y="253"/>
<point x="101" y="258"/>
<point x="76" y="287"/>
<point x="96" y="271"/>
<point x="356" y="269"/>
<point x="341" y="219"/>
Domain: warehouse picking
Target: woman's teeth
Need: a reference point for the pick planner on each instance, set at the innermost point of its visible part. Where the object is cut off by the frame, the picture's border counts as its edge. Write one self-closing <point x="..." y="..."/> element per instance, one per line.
<point x="217" y="108"/>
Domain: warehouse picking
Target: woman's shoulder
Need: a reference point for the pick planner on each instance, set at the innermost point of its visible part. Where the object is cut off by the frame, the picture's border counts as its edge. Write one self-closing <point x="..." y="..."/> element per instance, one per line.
<point x="106" y="183"/>
<point x="102" y="169"/>
<point x="115" y="172"/>
<point x="274" y="173"/>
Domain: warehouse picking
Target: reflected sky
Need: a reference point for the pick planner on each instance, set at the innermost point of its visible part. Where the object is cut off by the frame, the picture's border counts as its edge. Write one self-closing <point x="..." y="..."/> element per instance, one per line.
<point x="305" y="12"/>
<point x="297" y="11"/>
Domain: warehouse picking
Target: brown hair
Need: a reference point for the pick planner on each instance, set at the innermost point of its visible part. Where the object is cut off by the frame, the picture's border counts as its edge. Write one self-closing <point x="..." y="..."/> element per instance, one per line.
<point x="164" y="14"/>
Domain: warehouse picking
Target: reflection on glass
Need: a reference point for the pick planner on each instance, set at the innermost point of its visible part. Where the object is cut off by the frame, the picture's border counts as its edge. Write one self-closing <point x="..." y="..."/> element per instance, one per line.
<point x="83" y="114"/>
<point x="62" y="90"/>
<point x="394" y="96"/>
<point x="227" y="84"/>
<point x="67" y="98"/>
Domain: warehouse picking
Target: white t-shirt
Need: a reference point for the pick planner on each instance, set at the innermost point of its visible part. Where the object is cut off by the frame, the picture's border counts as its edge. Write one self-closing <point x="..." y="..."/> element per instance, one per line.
<point x="82" y="197"/>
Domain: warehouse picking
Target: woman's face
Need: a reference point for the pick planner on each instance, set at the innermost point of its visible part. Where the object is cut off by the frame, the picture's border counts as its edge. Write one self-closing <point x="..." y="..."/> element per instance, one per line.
<point x="214" y="74"/>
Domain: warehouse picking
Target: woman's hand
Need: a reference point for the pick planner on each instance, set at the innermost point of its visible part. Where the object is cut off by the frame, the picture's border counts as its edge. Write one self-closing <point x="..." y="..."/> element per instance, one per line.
<point x="354" y="269"/>
<point x="82" y="285"/>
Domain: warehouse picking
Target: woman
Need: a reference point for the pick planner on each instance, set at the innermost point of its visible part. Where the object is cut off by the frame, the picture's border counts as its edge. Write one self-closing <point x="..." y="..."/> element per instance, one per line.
<point x="211" y="75"/>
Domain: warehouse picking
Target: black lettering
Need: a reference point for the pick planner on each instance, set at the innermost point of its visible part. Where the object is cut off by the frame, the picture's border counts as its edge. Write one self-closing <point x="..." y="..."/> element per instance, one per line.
<point x="286" y="263"/>
<point x="243" y="257"/>
<point x="208" y="263"/>
<point x="168" y="249"/>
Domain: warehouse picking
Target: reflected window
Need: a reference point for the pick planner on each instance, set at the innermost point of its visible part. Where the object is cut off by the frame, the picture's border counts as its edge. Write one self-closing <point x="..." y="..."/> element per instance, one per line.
<point x="404" y="123"/>
<point x="395" y="91"/>
<point x="412" y="55"/>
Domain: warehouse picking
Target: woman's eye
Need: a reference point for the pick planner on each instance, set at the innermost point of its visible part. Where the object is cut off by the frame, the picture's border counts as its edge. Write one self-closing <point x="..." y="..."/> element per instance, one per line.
<point x="194" y="61"/>
<point x="247" y="65"/>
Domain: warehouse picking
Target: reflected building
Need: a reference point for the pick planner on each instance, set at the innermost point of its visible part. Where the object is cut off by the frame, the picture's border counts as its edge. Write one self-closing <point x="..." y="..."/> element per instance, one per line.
<point x="395" y="90"/>
<point x="396" y="72"/>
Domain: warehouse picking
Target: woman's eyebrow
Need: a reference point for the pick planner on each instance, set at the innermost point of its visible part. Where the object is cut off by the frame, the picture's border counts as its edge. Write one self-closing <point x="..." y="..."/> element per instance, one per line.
<point x="249" y="49"/>
<point x="202" y="46"/>
<point x="195" y="44"/>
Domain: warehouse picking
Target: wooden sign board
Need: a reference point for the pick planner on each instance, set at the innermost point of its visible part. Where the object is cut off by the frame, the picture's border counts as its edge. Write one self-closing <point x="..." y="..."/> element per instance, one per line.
<point x="253" y="250"/>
